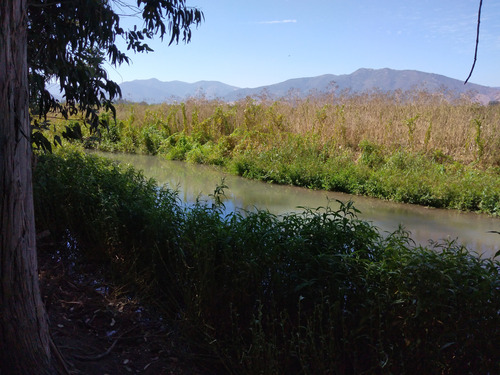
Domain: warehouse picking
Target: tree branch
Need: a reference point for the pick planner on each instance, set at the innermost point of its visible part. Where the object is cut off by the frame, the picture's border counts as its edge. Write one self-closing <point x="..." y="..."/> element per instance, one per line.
<point x="477" y="40"/>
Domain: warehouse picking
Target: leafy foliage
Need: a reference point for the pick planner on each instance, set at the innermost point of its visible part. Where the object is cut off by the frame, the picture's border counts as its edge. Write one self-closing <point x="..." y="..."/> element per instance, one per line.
<point x="70" y="42"/>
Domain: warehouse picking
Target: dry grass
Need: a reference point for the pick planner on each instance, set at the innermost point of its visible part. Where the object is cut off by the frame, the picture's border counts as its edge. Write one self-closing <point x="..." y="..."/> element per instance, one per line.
<point x="416" y="121"/>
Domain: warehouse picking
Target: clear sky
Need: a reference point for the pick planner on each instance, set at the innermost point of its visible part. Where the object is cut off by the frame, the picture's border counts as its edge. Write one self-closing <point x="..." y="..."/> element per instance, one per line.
<point x="261" y="42"/>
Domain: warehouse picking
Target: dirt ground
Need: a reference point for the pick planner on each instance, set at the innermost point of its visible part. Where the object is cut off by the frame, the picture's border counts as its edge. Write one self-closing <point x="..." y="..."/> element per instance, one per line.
<point x="100" y="330"/>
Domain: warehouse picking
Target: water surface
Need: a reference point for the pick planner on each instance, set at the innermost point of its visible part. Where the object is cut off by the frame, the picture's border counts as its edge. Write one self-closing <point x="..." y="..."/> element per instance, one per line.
<point x="425" y="224"/>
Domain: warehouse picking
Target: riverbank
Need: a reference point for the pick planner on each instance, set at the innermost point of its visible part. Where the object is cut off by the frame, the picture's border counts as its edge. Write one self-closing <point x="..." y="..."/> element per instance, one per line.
<point x="419" y="149"/>
<point x="318" y="292"/>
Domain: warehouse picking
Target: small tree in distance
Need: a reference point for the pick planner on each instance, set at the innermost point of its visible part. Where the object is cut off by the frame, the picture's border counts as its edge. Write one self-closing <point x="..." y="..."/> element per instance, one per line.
<point x="67" y="41"/>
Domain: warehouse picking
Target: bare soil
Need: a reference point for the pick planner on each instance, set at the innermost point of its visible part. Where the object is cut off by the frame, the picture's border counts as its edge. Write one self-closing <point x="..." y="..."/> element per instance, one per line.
<point x="100" y="329"/>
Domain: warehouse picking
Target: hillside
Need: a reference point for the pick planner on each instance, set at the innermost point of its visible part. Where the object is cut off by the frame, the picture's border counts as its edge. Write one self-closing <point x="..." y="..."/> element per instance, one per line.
<point x="362" y="80"/>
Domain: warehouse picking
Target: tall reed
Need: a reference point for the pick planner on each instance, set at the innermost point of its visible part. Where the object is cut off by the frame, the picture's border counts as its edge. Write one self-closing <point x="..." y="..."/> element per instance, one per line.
<point x="418" y="121"/>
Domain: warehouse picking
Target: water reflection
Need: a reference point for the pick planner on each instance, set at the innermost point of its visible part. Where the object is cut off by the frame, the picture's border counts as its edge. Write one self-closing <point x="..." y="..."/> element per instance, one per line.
<point x="424" y="223"/>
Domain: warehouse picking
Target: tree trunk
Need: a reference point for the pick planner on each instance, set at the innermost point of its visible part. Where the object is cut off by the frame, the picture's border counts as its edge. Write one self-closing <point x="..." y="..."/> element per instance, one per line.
<point x="24" y="335"/>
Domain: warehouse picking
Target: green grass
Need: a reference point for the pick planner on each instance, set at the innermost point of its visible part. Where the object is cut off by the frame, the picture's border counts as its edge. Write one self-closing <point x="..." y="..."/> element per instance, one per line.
<point x="318" y="292"/>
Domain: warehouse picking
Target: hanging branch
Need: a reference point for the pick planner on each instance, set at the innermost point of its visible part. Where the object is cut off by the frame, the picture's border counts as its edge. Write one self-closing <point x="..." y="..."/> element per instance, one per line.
<point x="477" y="40"/>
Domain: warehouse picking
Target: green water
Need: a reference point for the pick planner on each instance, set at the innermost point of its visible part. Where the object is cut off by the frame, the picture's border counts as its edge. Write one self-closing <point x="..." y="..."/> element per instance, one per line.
<point x="425" y="224"/>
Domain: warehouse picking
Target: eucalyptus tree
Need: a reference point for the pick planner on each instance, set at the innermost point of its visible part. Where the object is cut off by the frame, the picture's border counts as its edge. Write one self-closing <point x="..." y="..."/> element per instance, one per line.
<point x="68" y="41"/>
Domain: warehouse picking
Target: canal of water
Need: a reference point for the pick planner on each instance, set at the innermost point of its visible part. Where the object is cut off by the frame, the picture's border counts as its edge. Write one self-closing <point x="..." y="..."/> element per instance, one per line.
<point x="425" y="224"/>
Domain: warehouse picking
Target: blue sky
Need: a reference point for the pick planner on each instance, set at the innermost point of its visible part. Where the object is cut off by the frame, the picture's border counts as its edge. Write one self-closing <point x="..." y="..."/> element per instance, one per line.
<point x="256" y="43"/>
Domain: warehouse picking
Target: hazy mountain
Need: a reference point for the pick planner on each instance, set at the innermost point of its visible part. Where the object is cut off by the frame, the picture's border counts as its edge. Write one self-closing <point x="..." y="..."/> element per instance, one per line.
<point x="155" y="91"/>
<point x="370" y="79"/>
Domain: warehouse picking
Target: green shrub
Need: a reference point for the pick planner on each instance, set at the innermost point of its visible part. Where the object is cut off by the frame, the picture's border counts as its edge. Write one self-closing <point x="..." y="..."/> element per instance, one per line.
<point x="371" y="154"/>
<point x="152" y="139"/>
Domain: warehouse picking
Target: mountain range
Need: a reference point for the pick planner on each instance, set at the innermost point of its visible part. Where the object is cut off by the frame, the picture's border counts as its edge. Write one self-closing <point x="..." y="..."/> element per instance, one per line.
<point x="362" y="80"/>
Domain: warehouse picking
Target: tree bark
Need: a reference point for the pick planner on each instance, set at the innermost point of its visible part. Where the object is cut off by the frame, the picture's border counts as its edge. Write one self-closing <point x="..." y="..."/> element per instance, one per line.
<point x="24" y="334"/>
